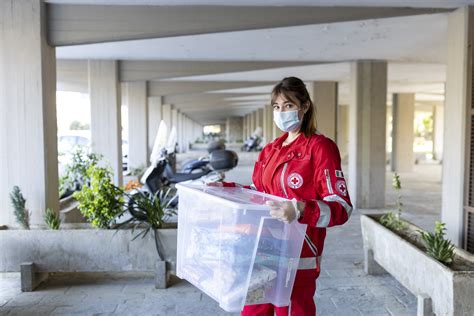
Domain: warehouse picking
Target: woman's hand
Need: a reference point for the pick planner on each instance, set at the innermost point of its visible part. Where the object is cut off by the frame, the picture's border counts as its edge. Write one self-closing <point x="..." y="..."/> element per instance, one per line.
<point x="214" y="184"/>
<point x="286" y="211"/>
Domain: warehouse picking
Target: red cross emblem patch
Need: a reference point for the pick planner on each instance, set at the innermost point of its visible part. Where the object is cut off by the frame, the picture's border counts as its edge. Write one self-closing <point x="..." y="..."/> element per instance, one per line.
<point x="341" y="187"/>
<point x="295" y="180"/>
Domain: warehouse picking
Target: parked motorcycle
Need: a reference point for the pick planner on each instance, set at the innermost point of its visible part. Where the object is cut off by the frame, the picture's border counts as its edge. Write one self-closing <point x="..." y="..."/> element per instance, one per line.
<point x="160" y="174"/>
<point x="254" y="142"/>
<point x="202" y="163"/>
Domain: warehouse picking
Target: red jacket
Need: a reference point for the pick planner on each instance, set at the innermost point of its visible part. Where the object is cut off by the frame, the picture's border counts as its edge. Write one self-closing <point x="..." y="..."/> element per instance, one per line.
<point x="309" y="172"/>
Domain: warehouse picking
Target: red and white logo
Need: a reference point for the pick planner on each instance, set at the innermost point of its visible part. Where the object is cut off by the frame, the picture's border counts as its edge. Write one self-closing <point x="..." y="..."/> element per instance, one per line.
<point x="341" y="187"/>
<point x="295" y="181"/>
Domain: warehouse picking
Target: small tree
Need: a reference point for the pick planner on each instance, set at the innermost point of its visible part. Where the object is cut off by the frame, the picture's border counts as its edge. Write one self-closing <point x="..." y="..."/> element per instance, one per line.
<point x="392" y="220"/>
<point x="18" y="201"/>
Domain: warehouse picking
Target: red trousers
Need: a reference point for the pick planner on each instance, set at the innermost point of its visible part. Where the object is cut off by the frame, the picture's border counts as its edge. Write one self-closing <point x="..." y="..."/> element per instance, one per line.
<point x="302" y="299"/>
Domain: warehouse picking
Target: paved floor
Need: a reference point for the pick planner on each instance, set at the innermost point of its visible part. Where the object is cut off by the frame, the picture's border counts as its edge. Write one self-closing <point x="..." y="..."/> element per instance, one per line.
<point x="343" y="288"/>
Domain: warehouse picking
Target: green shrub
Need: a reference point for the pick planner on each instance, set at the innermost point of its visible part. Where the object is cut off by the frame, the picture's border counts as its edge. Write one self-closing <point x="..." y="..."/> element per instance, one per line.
<point x="437" y="246"/>
<point x="392" y="221"/>
<point x="100" y="201"/>
<point x="75" y="173"/>
<point x="21" y="213"/>
<point x="51" y="219"/>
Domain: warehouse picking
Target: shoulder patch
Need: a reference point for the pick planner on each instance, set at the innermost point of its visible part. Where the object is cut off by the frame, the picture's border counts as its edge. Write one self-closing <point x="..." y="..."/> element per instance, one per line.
<point x="341" y="187"/>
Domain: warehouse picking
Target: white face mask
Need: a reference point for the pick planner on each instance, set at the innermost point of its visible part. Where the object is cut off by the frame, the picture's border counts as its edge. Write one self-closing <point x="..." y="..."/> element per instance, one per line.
<point x="287" y="121"/>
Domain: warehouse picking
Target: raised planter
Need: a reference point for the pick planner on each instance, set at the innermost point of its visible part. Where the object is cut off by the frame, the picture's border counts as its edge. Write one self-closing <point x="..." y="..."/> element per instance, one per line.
<point x="87" y="250"/>
<point x="440" y="289"/>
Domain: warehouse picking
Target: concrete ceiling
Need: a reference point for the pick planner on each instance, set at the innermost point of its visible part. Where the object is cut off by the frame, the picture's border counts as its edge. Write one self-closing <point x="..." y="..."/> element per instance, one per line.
<point x="411" y="39"/>
<point x="414" y="46"/>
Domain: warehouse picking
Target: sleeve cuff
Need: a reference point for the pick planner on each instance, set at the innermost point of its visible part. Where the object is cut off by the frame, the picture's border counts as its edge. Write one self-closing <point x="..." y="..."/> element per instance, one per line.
<point x="310" y="213"/>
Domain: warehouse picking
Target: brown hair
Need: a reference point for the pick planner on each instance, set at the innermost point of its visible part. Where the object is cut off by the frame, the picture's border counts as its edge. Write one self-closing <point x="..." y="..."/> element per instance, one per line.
<point x="294" y="90"/>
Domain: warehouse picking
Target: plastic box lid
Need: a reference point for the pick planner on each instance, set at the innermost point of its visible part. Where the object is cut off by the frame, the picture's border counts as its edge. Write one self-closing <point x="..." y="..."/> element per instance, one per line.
<point x="231" y="249"/>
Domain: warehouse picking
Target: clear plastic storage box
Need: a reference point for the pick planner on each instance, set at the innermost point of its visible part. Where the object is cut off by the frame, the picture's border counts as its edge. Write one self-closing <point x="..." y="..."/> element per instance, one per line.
<point x="231" y="249"/>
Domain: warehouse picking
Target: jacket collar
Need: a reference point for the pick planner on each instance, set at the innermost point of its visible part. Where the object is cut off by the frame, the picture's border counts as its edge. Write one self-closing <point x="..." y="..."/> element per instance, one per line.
<point x="301" y="140"/>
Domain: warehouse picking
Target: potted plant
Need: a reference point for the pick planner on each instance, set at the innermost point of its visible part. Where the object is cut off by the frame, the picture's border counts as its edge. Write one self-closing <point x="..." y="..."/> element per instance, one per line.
<point x="441" y="275"/>
<point x="150" y="213"/>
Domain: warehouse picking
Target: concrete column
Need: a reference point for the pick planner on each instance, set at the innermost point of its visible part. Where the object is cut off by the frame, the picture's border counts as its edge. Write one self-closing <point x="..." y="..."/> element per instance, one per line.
<point x="154" y="119"/>
<point x="438" y="121"/>
<point x="184" y="119"/>
<point x="403" y="115"/>
<point x="244" y="127"/>
<point x="259" y="118"/>
<point x="367" y="116"/>
<point x="191" y="137"/>
<point x="174" y="119"/>
<point x="222" y="127"/>
<point x="194" y="134"/>
<point x="175" y="124"/>
<point x="28" y="128"/>
<point x="137" y="124"/>
<point x="388" y="132"/>
<point x="198" y="130"/>
<point x="250" y="127"/>
<point x="253" y="122"/>
<point x="234" y="129"/>
<point x="166" y="115"/>
<point x="457" y="120"/>
<point x="343" y="132"/>
<point x="106" y="127"/>
<point x="181" y="133"/>
<point x="324" y="96"/>
<point x="268" y="123"/>
<point x="194" y="131"/>
<point x="187" y="138"/>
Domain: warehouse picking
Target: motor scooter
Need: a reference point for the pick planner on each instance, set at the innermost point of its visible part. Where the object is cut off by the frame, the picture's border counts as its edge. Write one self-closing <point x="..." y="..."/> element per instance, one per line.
<point x="253" y="143"/>
<point x="202" y="163"/>
<point x="160" y="173"/>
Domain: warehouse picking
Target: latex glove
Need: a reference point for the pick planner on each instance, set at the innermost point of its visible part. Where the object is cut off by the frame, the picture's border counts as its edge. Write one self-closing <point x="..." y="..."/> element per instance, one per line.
<point x="285" y="211"/>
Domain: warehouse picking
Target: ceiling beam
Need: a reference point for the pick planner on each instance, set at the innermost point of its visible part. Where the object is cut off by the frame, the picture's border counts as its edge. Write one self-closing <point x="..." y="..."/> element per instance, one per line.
<point x="215" y="109"/>
<point x="75" y="71"/>
<point x="137" y="70"/>
<point x="160" y="88"/>
<point x="200" y="97"/>
<point x="85" y="24"/>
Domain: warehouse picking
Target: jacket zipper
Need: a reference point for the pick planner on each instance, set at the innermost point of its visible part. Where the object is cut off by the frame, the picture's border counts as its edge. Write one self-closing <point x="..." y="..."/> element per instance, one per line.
<point x="282" y="179"/>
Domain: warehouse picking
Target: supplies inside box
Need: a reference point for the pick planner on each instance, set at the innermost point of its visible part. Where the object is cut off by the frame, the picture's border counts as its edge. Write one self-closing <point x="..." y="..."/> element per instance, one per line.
<point x="231" y="249"/>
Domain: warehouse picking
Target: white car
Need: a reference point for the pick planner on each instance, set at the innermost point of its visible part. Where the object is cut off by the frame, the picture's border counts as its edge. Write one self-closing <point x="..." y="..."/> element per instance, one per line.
<point x="72" y="139"/>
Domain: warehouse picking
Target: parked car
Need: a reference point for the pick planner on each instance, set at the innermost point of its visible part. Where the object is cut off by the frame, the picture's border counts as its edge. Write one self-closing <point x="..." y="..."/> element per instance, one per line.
<point x="72" y="139"/>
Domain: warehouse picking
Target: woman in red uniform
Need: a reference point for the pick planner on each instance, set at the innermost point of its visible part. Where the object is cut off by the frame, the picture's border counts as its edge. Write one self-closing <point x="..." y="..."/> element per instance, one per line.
<point x="303" y="166"/>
